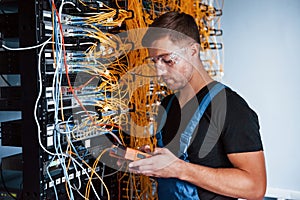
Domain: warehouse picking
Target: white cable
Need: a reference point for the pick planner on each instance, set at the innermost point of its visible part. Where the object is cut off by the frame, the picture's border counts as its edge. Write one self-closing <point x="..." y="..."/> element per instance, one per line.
<point x="64" y="167"/>
<point x="76" y="171"/>
<point x="60" y="8"/>
<point x="114" y="135"/>
<point x="79" y="179"/>
<point x="26" y="48"/>
<point x="83" y="43"/>
<point x="38" y="99"/>
<point x="88" y="177"/>
<point x="67" y="2"/>
<point x="106" y="175"/>
<point x="50" y="177"/>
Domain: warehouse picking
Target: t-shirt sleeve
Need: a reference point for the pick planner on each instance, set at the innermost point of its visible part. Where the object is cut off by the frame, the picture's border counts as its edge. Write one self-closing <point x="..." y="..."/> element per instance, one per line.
<point x="241" y="129"/>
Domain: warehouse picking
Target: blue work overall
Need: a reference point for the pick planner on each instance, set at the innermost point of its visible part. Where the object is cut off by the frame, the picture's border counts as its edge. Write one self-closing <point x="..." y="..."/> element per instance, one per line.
<point x="173" y="188"/>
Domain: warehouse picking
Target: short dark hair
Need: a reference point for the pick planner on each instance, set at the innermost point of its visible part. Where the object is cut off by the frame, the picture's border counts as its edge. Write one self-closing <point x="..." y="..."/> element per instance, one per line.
<point x="178" y="26"/>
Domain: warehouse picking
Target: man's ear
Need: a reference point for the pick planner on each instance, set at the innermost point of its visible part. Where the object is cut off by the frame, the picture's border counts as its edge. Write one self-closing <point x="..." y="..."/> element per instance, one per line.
<point x="195" y="48"/>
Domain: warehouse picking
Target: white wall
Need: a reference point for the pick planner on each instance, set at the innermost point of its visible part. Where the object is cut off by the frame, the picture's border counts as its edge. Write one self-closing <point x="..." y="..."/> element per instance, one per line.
<point x="262" y="52"/>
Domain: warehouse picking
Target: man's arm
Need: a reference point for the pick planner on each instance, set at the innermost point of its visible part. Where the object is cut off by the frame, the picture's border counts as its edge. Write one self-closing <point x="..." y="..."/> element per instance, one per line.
<point x="246" y="180"/>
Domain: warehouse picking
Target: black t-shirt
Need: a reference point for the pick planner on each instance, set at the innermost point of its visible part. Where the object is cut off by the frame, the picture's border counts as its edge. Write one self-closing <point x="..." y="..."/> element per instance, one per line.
<point x="228" y="125"/>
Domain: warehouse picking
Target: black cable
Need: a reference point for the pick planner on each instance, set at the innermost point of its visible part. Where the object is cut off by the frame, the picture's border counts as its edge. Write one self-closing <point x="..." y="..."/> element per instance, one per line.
<point x="3" y="183"/>
<point x="5" y="80"/>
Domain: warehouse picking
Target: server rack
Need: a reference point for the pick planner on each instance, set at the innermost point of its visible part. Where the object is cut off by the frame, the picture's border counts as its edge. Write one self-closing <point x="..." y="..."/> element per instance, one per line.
<point x="27" y="27"/>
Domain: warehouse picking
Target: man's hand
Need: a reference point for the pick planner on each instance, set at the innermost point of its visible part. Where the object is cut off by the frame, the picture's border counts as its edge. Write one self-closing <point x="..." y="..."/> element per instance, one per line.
<point x="161" y="164"/>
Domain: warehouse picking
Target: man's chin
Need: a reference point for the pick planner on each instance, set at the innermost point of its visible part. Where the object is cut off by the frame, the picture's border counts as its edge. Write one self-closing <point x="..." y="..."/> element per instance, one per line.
<point x="172" y="86"/>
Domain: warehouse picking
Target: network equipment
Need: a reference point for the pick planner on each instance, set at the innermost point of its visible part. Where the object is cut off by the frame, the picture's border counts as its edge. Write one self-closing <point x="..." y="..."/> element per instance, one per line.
<point x="87" y="97"/>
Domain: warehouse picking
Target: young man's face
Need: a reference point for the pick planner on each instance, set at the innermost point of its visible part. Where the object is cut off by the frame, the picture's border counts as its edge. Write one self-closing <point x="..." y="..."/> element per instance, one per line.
<point x="171" y="62"/>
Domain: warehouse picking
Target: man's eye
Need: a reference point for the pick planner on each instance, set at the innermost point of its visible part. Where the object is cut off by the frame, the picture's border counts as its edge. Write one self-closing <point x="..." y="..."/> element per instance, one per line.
<point x="152" y="60"/>
<point x="169" y="62"/>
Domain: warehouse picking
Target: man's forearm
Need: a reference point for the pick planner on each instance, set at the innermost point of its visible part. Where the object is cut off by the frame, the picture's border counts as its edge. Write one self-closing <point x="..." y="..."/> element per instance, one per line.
<point x="231" y="182"/>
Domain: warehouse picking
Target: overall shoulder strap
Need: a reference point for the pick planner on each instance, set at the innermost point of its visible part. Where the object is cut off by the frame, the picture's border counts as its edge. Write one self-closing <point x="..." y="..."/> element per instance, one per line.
<point x="186" y="136"/>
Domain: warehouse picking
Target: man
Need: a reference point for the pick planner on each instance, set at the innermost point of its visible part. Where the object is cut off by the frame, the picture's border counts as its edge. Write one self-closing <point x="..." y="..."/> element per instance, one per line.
<point x="225" y="158"/>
